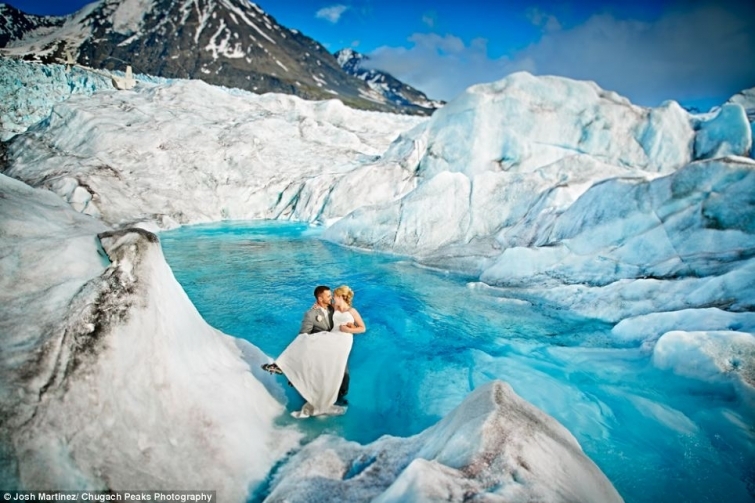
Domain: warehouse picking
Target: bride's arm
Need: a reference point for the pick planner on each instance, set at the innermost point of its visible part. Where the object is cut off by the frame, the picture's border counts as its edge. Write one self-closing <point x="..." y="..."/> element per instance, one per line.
<point x="358" y="327"/>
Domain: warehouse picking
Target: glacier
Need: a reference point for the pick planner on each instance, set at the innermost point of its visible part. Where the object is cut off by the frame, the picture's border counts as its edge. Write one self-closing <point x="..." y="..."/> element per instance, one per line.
<point x="121" y="384"/>
<point x="23" y="105"/>
<point x="540" y="187"/>
<point x="219" y="154"/>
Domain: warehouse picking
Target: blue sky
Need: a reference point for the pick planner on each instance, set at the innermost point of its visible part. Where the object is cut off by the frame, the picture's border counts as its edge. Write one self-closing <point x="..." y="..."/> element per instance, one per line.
<point x="698" y="52"/>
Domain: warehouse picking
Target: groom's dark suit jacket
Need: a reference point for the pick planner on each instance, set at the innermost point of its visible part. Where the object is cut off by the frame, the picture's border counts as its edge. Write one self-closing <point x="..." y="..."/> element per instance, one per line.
<point x="311" y="324"/>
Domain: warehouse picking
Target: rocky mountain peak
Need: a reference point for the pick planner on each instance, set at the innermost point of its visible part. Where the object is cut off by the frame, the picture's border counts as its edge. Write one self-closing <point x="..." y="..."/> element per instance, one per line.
<point x="233" y="43"/>
<point x="384" y="83"/>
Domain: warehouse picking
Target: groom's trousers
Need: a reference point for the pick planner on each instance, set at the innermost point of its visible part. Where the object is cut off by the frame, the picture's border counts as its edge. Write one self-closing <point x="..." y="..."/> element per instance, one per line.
<point x="344" y="389"/>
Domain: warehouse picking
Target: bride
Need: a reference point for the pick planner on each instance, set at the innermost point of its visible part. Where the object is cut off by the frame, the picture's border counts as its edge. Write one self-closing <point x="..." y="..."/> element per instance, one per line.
<point x="315" y="363"/>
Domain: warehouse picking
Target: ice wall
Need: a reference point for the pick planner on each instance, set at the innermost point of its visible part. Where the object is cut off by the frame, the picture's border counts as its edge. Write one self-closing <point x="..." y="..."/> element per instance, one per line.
<point x="522" y="123"/>
<point x="28" y="91"/>
<point x="678" y="241"/>
<point x="185" y="152"/>
<point x="110" y="377"/>
<point x="504" y="159"/>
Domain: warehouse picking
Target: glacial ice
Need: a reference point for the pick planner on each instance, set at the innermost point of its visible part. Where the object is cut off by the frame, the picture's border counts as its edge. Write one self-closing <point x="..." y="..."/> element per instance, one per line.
<point x="746" y="99"/>
<point x="727" y="133"/>
<point x="542" y="187"/>
<point x="648" y="328"/>
<point x="711" y="356"/>
<point x="219" y="154"/>
<point x="135" y="390"/>
<point x="29" y="91"/>
<point x="37" y="275"/>
<point x="113" y="380"/>
<point x="523" y="123"/>
<point x="494" y="445"/>
<point x="621" y="224"/>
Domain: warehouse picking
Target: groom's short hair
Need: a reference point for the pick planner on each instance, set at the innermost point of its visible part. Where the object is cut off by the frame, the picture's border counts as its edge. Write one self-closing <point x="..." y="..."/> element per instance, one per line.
<point x="319" y="290"/>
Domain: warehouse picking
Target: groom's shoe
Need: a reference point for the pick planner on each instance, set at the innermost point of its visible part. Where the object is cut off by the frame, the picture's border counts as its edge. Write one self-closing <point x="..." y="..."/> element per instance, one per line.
<point x="272" y="368"/>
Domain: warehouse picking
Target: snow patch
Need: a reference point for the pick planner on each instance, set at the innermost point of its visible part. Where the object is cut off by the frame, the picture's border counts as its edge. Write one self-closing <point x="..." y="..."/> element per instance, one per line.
<point x="230" y="5"/>
<point x="129" y="15"/>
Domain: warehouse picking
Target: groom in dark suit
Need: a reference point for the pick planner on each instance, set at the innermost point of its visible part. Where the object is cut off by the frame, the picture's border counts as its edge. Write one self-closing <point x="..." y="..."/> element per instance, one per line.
<point x="319" y="318"/>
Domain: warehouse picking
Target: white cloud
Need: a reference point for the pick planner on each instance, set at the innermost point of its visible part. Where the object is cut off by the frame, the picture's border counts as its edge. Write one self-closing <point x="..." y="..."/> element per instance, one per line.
<point x="706" y="50"/>
<point x="332" y="13"/>
<point x="685" y="54"/>
<point x="547" y="22"/>
<point x="430" y="18"/>
<point x="440" y="66"/>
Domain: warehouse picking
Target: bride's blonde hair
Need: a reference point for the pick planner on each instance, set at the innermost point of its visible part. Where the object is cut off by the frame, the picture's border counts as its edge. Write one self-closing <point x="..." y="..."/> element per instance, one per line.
<point x="345" y="293"/>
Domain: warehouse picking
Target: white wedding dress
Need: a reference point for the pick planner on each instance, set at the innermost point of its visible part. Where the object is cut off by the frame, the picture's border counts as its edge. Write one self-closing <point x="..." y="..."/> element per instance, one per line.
<point x="315" y="363"/>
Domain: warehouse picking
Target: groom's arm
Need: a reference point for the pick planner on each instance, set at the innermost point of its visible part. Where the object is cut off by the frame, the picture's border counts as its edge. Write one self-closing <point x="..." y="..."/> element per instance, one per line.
<point x="308" y="323"/>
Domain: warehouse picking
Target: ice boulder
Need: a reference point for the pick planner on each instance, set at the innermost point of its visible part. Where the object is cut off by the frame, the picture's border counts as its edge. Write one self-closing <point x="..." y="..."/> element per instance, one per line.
<point x="113" y="380"/>
<point x="746" y="99"/>
<point x="494" y="446"/>
<point x="716" y="356"/>
<point x="628" y="248"/>
<point x="649" y="328"/>
<point x="524" y="122"/>
<point x="727" y="133"/>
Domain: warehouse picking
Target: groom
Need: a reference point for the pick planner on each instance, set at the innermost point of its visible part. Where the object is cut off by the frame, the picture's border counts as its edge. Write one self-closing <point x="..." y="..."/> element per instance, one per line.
<point x="319" y="318"/>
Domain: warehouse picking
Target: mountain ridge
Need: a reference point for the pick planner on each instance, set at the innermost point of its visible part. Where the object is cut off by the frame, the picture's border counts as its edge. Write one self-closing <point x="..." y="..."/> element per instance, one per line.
<point x="232" y="43"/>
<point x="394" y="90"/>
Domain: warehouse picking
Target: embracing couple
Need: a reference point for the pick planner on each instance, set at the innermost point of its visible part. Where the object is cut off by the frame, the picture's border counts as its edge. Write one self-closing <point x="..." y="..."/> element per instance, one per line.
<point x="315" y="362"/>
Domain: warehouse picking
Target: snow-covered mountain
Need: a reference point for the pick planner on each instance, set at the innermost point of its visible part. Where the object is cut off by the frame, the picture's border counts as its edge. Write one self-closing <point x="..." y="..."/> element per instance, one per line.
<point x="232" y="43"/>
<point x="384" y="83"/>
<point x="14" y="23"/>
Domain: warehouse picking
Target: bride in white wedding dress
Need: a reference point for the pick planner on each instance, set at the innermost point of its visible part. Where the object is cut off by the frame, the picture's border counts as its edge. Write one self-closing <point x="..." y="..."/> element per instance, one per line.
<point x="315" y="363"/>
